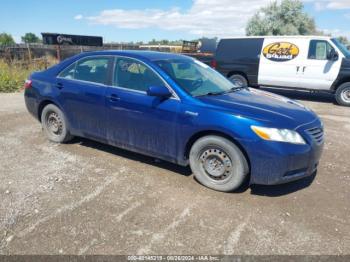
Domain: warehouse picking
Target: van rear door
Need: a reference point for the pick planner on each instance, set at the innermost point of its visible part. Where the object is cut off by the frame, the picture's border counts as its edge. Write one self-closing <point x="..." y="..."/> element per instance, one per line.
<point x="281" y="60"/>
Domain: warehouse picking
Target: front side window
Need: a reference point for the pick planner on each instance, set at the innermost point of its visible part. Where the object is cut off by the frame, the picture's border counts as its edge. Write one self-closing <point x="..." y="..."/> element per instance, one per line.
<point x="131" y="74"/>
<point x="89" y="69"/>
<point x="319" y="50"/>
<point x="195" y="77"/>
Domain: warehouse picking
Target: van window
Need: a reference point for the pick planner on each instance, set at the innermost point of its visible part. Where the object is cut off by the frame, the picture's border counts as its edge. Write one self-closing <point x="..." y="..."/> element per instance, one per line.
<point x="319" y="49"/>
<point x="134" y="75"/>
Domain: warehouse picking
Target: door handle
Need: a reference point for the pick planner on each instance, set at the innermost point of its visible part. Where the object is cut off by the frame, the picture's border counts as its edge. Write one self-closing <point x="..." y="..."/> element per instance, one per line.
<point x="298" y="67"/>
<point x="304" y="67"/>
<point x="113" y="97"/>
<point x="59" y="85"/>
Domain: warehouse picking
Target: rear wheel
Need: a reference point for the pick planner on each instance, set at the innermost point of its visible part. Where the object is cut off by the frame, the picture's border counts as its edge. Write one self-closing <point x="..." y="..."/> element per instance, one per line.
<point x="54" y="124"/>
<point x="342" y="95"/>
<point x="238" y="80"/>
<point x="218" y="163"/>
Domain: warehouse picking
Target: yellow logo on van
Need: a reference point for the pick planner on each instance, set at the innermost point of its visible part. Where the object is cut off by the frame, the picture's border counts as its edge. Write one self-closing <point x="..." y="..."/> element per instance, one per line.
<point x="281" y="51"/>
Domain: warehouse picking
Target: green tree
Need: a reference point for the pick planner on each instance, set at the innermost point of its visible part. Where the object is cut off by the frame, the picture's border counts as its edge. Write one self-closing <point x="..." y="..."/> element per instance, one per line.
<point x="30" y="38"/>
<point x="286" y="18"/>
<point x="6" y="39"/>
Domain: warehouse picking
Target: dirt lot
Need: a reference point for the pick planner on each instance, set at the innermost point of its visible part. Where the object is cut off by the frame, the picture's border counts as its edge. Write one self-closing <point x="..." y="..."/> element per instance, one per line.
<point x="88" y="198"/>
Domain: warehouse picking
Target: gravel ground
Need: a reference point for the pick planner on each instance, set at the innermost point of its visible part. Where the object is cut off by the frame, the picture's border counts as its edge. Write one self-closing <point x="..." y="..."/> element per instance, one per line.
<point x="88" y="198"/>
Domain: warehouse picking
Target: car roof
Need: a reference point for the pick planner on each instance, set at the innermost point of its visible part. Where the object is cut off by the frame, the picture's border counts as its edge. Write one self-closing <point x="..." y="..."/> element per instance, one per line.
<point x="137" y="54"/>
<point x="149" y="55"/>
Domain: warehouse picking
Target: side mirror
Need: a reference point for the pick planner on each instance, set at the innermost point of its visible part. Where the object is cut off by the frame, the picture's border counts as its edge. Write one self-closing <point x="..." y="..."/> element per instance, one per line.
<point x="159" y="91"/>
<point x="333" y="55"/>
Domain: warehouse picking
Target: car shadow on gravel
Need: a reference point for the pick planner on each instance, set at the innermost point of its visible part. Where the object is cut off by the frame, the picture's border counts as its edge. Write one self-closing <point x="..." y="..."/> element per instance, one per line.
<point x="322" y="97"/>
<point x="283" y="189"/>
<point x="185" y="171"/>
<point x="270" y="191"/>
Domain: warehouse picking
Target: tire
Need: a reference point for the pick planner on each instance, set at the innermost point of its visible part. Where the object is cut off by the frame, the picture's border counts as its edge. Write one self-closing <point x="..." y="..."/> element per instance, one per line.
<point x="218" y="163"/>
<point x="342" y="95"/>
<point x="238" y="80"/>
<point x="54" y="124"/>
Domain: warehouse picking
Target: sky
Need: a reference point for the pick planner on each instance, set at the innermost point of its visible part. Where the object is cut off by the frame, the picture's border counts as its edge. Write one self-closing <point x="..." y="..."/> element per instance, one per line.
<point x="144" y="20"/>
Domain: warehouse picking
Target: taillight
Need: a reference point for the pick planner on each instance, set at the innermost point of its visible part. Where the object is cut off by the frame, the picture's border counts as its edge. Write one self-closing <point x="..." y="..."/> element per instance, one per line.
<point x="213" y="64"/>
<point x="27" y="84"/>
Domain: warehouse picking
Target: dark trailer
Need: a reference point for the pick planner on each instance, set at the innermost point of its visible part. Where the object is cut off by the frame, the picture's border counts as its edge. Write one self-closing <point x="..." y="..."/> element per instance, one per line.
<point x="79" y="40"/>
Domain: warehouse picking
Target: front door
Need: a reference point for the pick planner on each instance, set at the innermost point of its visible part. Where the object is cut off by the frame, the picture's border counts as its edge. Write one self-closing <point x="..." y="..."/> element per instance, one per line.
<point x="137" y="121"/>
<point x="318" y="72"/>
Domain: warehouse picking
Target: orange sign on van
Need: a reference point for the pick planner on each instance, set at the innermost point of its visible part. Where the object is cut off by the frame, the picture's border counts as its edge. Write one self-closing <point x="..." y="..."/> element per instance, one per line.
<point x="281" y="51"/>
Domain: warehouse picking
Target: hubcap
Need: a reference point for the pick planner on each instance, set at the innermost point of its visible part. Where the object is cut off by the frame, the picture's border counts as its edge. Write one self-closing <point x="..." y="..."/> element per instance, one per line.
<point x="346" y="95"/>
<point x="237" y="82"/>
<point x="54" y="123"/>
<point x="216" y="163"/>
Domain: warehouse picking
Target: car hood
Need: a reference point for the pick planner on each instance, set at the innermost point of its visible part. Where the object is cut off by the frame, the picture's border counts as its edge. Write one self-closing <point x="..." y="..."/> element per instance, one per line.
<point x="273" y="110"/>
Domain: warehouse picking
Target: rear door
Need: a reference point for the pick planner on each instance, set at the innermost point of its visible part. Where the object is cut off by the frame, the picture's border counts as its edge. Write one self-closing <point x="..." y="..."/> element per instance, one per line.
<point x="318" y="72"/>
<point x="82" y="93"/>
<point x="280" y="62"/>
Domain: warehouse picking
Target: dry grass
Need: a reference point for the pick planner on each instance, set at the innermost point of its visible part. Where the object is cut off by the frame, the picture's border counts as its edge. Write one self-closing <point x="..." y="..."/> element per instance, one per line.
<point x="14" y="73"/>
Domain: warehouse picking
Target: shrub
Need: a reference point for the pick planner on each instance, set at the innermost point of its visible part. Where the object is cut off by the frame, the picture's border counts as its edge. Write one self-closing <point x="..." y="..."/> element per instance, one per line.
<point x="13" y="74"/>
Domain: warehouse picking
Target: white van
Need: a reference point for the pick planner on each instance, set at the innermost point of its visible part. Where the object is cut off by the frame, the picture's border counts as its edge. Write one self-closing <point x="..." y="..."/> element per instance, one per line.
<point x="297" y="62"/>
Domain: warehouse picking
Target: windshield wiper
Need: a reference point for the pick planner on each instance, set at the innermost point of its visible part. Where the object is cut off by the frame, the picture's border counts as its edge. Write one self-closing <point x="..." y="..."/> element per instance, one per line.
<point x="212" y="94"/>
<point x="233" y="89"/>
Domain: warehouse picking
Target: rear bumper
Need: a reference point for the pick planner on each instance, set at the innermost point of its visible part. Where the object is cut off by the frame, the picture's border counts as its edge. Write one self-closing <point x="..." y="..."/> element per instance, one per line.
<point x="30" y="99"/>
<point x="277" y="163"/>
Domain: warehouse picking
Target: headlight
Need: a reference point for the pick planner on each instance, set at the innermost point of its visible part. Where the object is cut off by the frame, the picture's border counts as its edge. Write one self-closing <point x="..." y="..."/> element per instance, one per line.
<point x="279" y="135"/>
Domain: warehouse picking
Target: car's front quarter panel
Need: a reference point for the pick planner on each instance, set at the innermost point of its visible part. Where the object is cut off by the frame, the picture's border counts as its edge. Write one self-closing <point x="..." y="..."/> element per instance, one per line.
<point x="196" y="118"/>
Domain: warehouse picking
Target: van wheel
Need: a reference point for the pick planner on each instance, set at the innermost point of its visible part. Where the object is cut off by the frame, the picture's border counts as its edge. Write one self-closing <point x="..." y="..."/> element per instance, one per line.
<point x="238" y="80"/>
<point x="342" y="95"/>
<point x="217" y="163"/>
<point x="54" y="124"/>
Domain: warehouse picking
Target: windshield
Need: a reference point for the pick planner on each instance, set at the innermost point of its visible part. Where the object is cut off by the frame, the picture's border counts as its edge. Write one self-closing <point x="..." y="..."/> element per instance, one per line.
<point x="341" y="47"/>
<point x="195" y="77"/>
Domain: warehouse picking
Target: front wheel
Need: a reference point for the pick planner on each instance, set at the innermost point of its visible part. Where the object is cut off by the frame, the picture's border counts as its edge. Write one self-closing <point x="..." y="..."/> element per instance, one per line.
<point x="54" y="124"/>
<point x="342" y="95"/>
<point x="218" y="163"/>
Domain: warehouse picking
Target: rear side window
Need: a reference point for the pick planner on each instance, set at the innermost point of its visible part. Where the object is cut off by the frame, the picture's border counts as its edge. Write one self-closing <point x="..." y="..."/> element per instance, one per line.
<point x="89" y="69"/>
<point x="246" y="50"/>
<point x="131" y="74"/>
<point x="319" y="49"/>
<point x="68" y="73"/>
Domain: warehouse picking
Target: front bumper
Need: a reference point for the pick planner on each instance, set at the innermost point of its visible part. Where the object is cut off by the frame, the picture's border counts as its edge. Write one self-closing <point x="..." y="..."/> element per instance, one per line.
<point x="277" y="163"/>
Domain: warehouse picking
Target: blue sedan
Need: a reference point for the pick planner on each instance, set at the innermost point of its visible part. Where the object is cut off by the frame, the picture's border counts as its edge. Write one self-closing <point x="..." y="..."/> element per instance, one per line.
<point x="175" y="108"/>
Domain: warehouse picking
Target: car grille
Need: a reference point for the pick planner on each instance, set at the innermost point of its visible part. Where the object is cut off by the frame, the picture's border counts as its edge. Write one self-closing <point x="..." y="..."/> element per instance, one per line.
<point x="316" y="134"/>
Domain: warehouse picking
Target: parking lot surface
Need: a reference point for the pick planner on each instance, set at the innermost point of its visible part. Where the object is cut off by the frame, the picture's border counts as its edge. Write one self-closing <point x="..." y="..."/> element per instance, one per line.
<point x="88" y="198"/>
